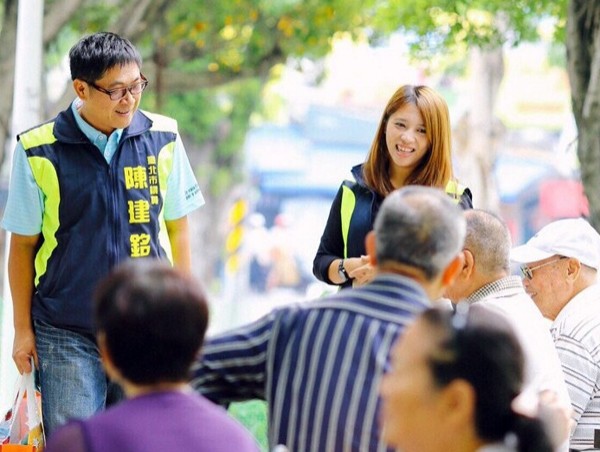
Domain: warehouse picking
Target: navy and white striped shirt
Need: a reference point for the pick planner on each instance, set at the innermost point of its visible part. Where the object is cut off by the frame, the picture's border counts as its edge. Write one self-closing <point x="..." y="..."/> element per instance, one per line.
<point x="318" y="364"/>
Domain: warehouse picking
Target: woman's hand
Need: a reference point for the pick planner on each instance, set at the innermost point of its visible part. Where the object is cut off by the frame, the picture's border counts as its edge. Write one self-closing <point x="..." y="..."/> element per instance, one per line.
<point x="363" y="272"/>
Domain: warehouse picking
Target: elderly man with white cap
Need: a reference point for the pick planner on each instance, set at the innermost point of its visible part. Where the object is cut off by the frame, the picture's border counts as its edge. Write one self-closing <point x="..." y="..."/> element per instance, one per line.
<point x="560" y="265"/>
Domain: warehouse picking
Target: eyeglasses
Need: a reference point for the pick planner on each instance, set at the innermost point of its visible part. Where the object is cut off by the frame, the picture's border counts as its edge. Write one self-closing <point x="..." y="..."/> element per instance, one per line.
<point x="528" y="271"/>
<point x="120" y="93"/>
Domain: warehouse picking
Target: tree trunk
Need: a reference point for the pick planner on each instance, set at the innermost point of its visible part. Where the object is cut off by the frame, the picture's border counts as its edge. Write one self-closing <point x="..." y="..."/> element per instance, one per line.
<point x="583" y="57"/>
<point x="476" y="143"/>
<point x="8" y="38"/>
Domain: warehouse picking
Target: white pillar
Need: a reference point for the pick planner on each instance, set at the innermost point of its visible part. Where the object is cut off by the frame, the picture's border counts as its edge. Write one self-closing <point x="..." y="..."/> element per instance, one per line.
<point x="26" y="113"/>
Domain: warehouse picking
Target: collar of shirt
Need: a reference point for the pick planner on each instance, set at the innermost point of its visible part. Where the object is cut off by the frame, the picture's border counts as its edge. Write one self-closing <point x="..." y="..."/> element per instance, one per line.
<point x="106" y="145"/>
<point x="584" y="302"/>
<point x="508" y="285"/>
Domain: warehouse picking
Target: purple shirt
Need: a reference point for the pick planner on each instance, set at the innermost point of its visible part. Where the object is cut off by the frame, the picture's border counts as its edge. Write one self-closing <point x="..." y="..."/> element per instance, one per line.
<point x="161" y="421"/>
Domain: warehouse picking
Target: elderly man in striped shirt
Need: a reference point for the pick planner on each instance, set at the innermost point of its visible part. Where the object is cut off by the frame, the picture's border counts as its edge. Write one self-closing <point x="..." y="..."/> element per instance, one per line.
<point x="560" y="273"/>
<point x="318" y="364"/>
<point x="485" y="279"/>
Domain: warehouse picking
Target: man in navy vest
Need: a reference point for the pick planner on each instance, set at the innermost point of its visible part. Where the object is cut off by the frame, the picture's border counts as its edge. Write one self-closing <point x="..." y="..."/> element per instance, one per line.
<point x="99" y="184"/>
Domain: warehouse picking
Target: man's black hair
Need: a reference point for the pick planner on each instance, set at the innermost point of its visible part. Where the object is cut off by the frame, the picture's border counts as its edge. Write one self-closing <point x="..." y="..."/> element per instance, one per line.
<point x="93" y="55"/>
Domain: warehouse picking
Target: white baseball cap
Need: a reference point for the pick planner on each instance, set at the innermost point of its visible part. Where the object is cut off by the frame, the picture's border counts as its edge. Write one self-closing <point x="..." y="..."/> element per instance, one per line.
<point x="572" y="237"/>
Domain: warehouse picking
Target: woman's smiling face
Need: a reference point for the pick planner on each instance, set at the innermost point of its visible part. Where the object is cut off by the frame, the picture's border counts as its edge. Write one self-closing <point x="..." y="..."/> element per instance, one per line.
<point x="406" y="139"/>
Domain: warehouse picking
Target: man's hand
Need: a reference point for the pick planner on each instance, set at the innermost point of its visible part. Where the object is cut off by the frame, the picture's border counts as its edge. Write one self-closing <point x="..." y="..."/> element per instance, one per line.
<point x="23" y="350"/>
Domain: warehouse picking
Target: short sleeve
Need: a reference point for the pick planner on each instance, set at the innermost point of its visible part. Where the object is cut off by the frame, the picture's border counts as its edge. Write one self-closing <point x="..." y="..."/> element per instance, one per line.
<point x="580" y="371"/>
<point x="25" y="204"/>
<point x="183" y="192"/>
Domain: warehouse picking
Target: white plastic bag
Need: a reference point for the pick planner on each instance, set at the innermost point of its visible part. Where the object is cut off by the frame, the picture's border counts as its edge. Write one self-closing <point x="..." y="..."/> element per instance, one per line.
<point x="24" y="420"/>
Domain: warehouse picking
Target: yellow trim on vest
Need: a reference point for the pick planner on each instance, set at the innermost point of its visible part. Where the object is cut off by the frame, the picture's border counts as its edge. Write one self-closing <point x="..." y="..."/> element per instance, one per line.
<point x="347" y="207"/>
<point x="46" y="178"/>
<point x="455" y="190"/>
<point x="39" y="136"/>
<point x="165" y="166"/>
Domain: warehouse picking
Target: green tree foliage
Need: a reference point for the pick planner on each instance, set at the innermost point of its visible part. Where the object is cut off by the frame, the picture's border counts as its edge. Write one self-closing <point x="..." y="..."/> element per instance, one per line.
<point x="434" y="26"/>
<point x="207" y="63"/>
<point x="208" y="60"/>
<point x="238" y="34"/>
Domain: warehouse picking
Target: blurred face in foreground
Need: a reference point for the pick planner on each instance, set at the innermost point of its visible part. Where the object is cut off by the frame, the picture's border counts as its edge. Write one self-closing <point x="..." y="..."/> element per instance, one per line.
<point x="412" y="404"/>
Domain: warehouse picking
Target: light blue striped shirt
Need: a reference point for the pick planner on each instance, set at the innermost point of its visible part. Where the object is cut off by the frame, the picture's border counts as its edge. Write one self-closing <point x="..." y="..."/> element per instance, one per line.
<point x="576" y="334"/>
<point x="318" y="364"/>
<point x="25" y="203"/>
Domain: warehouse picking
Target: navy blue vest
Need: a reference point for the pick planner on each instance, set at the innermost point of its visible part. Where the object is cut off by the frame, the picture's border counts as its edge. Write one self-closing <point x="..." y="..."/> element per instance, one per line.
<point x="96" y="214"/>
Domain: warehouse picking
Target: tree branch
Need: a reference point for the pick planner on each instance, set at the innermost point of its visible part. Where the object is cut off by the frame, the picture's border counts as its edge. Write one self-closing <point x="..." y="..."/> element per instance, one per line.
<point x="129" y="22"/>
<point x="176" y="81"/>
<point x="55" y="17"/>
